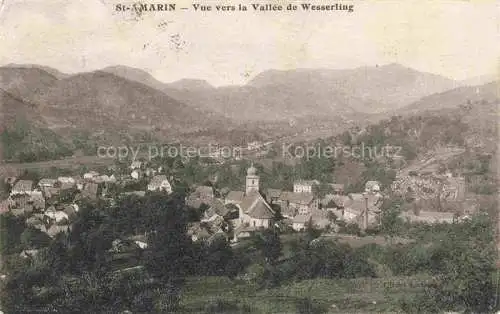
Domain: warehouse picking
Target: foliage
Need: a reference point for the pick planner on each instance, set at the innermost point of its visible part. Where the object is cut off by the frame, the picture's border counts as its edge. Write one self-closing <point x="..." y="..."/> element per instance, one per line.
<point x="32" y="238"/>
<point x="25" y="143"/>
<point x="11" y="228"/>
<point x="268" y="241"/>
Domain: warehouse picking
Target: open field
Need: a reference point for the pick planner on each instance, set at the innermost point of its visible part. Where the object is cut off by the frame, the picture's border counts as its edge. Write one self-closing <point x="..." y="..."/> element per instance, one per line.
<point x="362" y="295"/>
<point x="71" y="162"/>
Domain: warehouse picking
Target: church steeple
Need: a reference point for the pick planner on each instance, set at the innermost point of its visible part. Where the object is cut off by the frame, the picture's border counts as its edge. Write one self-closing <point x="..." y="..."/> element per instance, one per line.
<point x="252" y="180"/>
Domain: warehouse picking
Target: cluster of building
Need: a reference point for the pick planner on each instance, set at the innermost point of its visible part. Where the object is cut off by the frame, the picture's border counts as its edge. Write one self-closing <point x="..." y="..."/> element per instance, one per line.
<point x="51" y="204"/>
<point x="445" y="187"/>
<point x="251" y="209"/>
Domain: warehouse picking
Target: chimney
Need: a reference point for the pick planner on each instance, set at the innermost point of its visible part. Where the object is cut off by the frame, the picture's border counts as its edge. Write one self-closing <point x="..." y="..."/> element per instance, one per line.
<point x="365" y="220"/>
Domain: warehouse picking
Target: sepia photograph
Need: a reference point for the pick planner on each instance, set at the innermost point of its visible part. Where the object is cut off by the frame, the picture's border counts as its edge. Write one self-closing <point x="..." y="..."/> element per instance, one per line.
<point x="282" y="156"/>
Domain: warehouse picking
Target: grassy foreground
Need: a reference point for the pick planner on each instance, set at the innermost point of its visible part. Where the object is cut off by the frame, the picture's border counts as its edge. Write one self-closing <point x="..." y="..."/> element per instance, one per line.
<point x="370" y="295"/>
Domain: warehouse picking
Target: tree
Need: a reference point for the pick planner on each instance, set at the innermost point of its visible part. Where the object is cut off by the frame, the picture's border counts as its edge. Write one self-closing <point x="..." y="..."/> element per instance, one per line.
<point x="463" y="261"/>
<point x="11" y="228"/>
<point x="391" y="223"/>
<point x="32" y="238"/>
<point x="271" y="245"/>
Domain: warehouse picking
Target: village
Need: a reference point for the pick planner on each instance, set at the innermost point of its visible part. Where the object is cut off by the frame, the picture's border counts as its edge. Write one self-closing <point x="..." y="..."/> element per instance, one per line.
<point x="51" y="204"/>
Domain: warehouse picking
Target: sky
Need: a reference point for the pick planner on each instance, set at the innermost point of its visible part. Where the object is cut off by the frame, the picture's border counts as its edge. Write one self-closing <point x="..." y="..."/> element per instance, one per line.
<point x="457" y="39"/>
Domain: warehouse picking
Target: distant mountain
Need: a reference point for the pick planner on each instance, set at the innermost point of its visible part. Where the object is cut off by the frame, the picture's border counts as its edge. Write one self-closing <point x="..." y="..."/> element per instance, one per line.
<point x="25" y="81"/>
<point x="382" y="87"/>
<point x="284" y="95"/>
<point x="136" y="75"/>
<point x="191" y="84"/>
<point x="100" y="101"/>
<point x="454" y="98"/>
<point x="479" y="80"/>
<point x="54" y="72"/>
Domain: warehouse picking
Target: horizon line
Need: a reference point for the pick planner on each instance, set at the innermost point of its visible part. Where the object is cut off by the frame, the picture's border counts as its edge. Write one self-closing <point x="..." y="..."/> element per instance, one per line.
<point x="490" y="76"/>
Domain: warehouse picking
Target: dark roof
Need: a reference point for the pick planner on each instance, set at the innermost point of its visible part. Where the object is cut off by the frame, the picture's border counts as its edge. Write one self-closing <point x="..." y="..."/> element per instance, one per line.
<point x="273" y="193"/>
<point x="297" y="198"/>
<point x="217" y="207"/>
<point x="307" y="182"/>
<point x="235" y="196"/>
<point x="157" y="180"/>
<point x="261" y="210"/>
<point x="255" y="206"/>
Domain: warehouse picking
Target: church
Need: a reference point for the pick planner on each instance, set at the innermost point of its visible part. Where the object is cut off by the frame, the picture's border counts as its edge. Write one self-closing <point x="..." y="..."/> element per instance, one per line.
<point x="254" y="211"/>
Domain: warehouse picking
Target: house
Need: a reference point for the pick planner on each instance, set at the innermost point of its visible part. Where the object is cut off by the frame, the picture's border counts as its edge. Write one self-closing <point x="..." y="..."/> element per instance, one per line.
<point x="47" y="183"/>
<point x="137" y="174"/>
<point x="300" y="222"/>
<point x="355" y="208"/>
<point x="136" y="165"/>
<point x="318" y="218"/>
<point x="160" y="183"/>
<point x="372" y="186"/>
<point x="79" y="182"/>
<point x="304" y="186"/>
<point x="66" y="181"/>
<point x="22" y="187"/>
<point x="55" y="229"/>
<point x="337" y="188"/>
<point x="253" y="210"/>
<point x="234" y="197"/>
<point x="198" y="231"/>
<point x="20" y="204"/>
<point x="37" y="200"/>
<point x="218" y="208"/>
<point x="49" y="192"/>
<point x="57" y="215"/>
<point x="90" y="175"/>
<point x="273" y="195"/>
<point x="90" y="190"/>
<point x="254" y="145"/>
<point x="292" y="203"/>
<point x="150" y="172"/>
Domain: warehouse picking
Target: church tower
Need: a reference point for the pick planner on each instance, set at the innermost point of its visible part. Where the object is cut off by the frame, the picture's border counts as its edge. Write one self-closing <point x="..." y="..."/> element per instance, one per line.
<point x="252" y="182"/>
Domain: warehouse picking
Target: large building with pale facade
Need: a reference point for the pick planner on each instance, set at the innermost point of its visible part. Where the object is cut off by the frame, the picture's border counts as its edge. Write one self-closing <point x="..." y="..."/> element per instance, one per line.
<point x="254" y="211"/>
